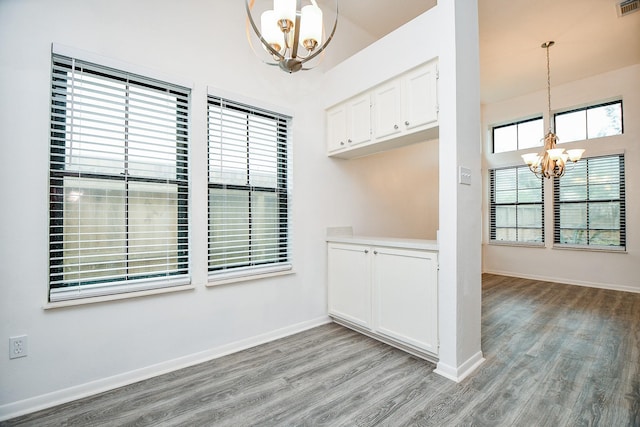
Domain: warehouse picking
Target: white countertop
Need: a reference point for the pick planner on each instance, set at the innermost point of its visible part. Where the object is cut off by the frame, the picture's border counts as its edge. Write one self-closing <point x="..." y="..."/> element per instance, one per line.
<point x="390" y="242"/>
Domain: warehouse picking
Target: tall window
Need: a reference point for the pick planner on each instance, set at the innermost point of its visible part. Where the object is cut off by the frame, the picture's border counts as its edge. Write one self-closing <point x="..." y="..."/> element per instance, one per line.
<point x="589" y="204"/>
<point x="590" y="122"/>
<point x="518" y="135"/>
<point x="118" y="178"/>
<point x="516" y="207"/>
<point x="249" y="200"/>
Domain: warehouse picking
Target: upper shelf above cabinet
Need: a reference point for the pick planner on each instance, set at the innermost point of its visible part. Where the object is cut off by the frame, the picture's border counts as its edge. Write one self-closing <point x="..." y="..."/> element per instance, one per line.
<point x="399" y="112"/>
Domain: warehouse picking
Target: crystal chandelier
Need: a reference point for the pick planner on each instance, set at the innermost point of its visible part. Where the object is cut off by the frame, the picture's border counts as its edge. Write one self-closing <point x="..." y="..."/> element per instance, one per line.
<point x="291" y="34"/>
<point x="551" y="162"/>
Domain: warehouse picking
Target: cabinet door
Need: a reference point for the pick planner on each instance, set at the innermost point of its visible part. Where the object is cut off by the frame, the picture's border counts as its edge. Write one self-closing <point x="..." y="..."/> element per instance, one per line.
<point x="349" y="277"/>
<point x="405" y="296"/>
<point x="337" y="128"/>
<point x="420" y="100"/>
<point x="387" y="109"/>
<point x="359" y="120"/>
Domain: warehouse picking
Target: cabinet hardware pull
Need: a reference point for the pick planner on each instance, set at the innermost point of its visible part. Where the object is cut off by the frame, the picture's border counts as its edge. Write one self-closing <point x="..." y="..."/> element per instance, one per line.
<point x="341" y="142"/>
<point x="375" y="252"/>
<point x="350" y="140"/>
<point x="406" y="123"/>
<point x="366" y="251"/>
<point x="395" y="126"/>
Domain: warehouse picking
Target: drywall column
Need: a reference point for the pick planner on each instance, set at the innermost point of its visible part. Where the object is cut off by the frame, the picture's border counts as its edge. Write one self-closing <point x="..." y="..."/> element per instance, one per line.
<point x="460" y="287"/>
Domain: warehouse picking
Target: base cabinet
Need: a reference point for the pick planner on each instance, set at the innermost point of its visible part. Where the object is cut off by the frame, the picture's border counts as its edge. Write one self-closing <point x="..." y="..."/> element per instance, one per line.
<point x="349" y="279"/>
<point x="405" y="295"/>
<point x="388" y="293"/>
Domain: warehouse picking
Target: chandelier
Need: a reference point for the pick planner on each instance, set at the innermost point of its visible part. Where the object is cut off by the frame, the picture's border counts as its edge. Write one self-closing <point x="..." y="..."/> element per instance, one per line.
<point x="551" y="162"/>
<point x="291" y="34"/>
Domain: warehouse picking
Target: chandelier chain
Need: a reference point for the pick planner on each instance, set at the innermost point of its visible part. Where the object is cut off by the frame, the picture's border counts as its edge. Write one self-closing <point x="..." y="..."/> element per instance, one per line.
<point x="549" y="88"/>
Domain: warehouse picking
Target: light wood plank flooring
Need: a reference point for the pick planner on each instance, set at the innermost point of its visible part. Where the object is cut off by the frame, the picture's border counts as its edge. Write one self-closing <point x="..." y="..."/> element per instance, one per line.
<point x="556" y="355"/>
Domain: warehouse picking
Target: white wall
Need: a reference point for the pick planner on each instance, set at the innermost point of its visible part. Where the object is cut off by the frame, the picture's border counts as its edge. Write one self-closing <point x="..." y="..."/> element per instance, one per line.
<point x="592" y="268"/>
<point x="84" y="349"/>
<point x="393" y="194"/>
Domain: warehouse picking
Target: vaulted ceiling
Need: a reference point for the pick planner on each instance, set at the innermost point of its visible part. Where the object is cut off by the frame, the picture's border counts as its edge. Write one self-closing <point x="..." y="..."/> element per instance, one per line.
<point x="590" y="38"/>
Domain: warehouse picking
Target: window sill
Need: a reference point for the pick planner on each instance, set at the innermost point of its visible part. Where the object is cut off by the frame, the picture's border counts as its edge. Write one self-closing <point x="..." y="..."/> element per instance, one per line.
<point x="614" y="250"/>
<point x="115" y="297"/>
<point x="516" y="244"/>
<point x="238" y="277"/>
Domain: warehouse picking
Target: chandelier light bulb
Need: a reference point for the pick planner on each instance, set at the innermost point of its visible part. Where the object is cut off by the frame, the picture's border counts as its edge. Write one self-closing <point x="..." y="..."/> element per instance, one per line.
<point x="311" y="27"/>
<point x="270" y="30"/>
<point x="285" y="13"/>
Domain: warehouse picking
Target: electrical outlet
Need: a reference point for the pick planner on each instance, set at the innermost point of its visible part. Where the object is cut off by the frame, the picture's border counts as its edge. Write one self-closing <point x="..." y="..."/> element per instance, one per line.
<point x="17" y="347"/>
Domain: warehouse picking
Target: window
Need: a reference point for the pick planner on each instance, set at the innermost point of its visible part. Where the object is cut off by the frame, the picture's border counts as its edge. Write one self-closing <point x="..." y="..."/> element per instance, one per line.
<point x="518" y="135"/>
<point x="589" y="204"/>
<point x="589" y="122"/>
<point x="118" y="178"/>
<point x="249" y="199"/>
<point x="516" y="210"/>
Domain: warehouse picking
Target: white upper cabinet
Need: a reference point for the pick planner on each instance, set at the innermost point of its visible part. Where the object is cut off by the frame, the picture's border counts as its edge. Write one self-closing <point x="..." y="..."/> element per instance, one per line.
<point x="349" y="123"/>
<point x="387" y="115"/>
<point x="401" y="111"/>
<point x="420" y="85"/>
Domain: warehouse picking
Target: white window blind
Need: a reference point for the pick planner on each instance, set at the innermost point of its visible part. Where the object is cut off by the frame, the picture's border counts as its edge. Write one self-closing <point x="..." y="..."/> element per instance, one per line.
<point x="249" y="188"/>
<point x="118" y="181"/>
<point x="516" y="206"/>
<point x="589" y="206"/>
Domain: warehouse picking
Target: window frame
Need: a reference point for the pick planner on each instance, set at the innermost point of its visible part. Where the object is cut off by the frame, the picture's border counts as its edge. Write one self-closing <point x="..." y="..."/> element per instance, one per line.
<point x="516" y="123"/>
<point x="64" y="61"/>
<point x="557" y="227"/>
<point x="283" y="263"/>
<point x="586" y="109"/>
<point x="493" y="205"/>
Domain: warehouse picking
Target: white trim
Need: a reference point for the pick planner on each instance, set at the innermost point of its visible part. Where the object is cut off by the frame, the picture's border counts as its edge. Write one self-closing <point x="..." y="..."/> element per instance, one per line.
<point x="463" y="371"/>
<point x="257" y="103"/>
<point x="237" y="277"/>
<point x="22" y="407"/>
<point x="564" y="281"/>
<point x="115" y="288"/>
<point x="105" y="61"/>
<point x="115" y="297"/>
<point x="590" y="248"/>
<point x="516" y="244"/>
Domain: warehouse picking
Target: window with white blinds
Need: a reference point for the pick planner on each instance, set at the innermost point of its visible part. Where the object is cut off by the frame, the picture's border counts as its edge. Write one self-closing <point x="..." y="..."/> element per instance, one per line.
<point x="516" y="206"/>
<point x="118" y="213"/>
<point x="249" y="197"/>
<point x="589" y="206"/>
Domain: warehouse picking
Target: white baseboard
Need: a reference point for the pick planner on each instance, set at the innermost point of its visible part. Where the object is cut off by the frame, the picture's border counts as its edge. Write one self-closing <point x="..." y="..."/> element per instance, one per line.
<point x="565" y="281"/>
<point x="37" y="403"/>
<point x="460" y="373"/>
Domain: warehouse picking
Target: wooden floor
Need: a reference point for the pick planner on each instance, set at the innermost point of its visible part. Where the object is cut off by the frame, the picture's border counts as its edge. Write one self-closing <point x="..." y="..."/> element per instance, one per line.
<point x="556" y="355"/>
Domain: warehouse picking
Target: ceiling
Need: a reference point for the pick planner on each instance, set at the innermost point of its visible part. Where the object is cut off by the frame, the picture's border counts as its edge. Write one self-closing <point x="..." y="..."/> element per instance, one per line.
<point x="590" y="38"/>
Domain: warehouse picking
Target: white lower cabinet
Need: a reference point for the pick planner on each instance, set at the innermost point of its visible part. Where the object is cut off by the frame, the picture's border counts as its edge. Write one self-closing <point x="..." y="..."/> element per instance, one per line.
<point x="388" y="293"/>
<point x="350" y="283"/>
